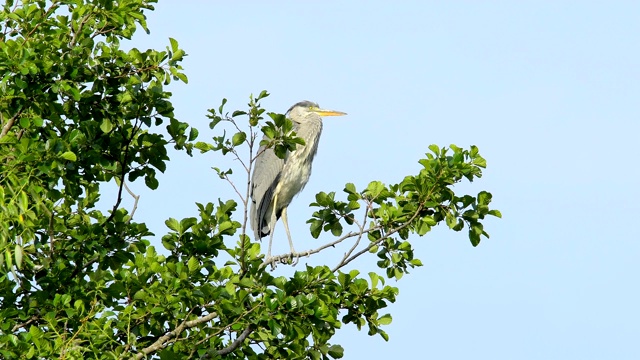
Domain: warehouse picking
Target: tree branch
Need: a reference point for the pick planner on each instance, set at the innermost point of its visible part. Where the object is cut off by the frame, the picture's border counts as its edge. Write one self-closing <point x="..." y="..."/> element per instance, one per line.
<point x="163" y="340"/>
<point x="279" y="258"/>
<point x="377" y="242"/>
<point x="355" y="245"/>
<point x="234" y="345"/>
<point x="135" y="202"/>
<point x="10" y="122"/>
<point x="24" y="324"/>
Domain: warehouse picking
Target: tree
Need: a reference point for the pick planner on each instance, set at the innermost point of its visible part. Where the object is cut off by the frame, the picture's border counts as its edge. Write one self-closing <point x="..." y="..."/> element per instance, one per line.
<point x="77" y="281"/>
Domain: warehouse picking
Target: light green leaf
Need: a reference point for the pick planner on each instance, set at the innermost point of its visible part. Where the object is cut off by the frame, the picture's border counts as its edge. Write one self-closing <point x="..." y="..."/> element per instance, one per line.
<point x="239" y="138"/>
<point x="69" y="155"/>
<point x="18" y="255"/>
<point x="193" y="264"/>
<point x="106" y="126"/>
<point x="173" y="224"/>
<point x="174" y="44"/>
<point x="385" y="319"/>
<point x="435" y="149"/>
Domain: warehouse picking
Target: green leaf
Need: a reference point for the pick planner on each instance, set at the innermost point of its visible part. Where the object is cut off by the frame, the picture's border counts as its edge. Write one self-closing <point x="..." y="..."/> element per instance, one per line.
<point x="336" y="229"/>
<point x="335" y="351"/>
<point x="434" y="149"/>
<point x="484" y="198"/>
<point x="10" y="138"/>
<point x="18" y="253"/>
<point x="151" y="181"/>
<point x="173" y="224"/>
<point x="416" y="262"/>
<point x="374" y="279"/>
<point x="263" y="94"/>
<point x="69" y="155"/>
<point x="203" y="146"/>
<point x="174" y="44"/>
<point x="384" y="319"/>
<point x="239" y="138"/>
<point x="374" y="189"/>
<point x="495" y="213"/>
<point x="315" y="228"/>
<point x="193" y="134"/>
<point x="480" y="161"/>
<point x="193" y="264"/>
<point x="350" y="188"/>
<point x="106" y="126"/>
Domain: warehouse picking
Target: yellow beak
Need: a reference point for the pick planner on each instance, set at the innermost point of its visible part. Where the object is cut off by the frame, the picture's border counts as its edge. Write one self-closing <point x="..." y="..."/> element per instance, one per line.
<point x="325" y="112"/>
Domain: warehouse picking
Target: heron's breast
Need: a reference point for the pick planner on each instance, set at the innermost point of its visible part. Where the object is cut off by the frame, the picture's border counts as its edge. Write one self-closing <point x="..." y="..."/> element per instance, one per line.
<point x="294" y="178"/>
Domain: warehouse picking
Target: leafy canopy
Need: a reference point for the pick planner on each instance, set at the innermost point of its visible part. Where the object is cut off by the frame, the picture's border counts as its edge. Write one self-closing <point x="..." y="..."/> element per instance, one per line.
<point x="80" y="281"/>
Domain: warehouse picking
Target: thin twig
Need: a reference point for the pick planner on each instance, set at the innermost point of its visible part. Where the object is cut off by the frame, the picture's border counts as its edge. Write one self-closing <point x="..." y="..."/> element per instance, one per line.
<point x="251" y="142"/>
<point x="361" y="227"/>
<point x="226" y="177"/>
<point x="124" y="165"/>
<point x="377" y="242"/>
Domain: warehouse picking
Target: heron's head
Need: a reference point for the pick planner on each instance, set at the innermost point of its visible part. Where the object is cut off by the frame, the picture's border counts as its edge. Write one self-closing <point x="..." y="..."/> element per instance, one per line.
<point x="304" y="110"/>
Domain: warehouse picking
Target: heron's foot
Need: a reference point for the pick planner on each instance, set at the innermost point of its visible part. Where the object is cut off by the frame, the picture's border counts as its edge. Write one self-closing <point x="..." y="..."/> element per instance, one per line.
<point x="288" y="259"/>
<point x="294" y="257"/>
<point x="270" y="260"/>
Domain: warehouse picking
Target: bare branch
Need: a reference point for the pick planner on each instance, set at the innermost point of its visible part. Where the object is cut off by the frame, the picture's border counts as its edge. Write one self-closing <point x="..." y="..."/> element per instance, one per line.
<point x="84" y="21"/>
<point x="234" y="345"/>
<point x="10" y="122"/>
<point x="251" y="142"/>
<point x="279" y="258"/>
<point x="226" y="177"/>
<point x="164" y="339"/>
<point x="135" y="202"/>
<point x="24" y="324"/>
<point x="124" y="164"/>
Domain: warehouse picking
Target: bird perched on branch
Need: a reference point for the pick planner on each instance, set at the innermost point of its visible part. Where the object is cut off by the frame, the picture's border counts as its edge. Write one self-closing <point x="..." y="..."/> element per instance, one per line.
<point x="275" y="182"/>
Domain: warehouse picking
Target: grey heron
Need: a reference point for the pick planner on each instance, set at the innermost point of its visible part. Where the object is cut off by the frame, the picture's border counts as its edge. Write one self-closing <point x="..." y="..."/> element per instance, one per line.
<point x="275" y="182"/>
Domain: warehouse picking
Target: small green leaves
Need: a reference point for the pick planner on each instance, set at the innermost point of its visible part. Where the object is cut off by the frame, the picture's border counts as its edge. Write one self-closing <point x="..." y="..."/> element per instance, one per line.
<point x="279" y="135"/>
<point x="374" y="189"/>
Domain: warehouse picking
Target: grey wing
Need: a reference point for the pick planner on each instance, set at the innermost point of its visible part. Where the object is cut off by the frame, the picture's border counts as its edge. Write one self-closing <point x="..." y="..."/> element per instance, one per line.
<point x="265" y="177"/>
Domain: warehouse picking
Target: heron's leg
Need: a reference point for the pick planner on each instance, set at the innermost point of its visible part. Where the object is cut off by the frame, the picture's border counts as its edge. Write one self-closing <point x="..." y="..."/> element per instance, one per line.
<point x="272" y="225"/>
<point x="285" y="221"/>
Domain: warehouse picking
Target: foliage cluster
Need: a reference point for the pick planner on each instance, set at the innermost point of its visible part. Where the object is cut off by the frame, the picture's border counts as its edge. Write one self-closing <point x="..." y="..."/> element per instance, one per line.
<point x="77" y="281"/>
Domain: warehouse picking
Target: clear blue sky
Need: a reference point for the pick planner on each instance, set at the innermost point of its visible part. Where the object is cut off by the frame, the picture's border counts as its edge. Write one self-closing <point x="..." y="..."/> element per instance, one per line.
<point x="548" y="90"/>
